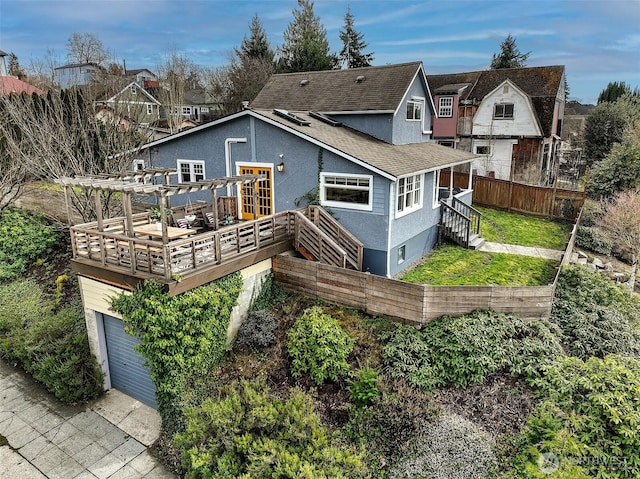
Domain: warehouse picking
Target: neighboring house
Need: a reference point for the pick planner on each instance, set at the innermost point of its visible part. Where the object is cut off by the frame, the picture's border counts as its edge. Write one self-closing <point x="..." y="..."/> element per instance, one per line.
<point x="512" y="118"/>
<point x="3" y="64"/>
<point x="76" y="74"/>
<point x="10" y="84"/>
<point x="136" y="103"/>
<point x="358" y="141"/>
<point x="143" y="77"/>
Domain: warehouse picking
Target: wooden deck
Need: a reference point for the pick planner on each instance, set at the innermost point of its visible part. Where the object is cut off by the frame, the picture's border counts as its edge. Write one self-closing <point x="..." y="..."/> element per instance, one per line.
<point x="122" y="257"/>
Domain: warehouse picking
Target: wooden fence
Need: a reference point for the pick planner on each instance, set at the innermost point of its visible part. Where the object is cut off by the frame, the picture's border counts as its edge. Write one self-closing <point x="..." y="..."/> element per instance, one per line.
<point x="410" y="303"/>
<point x="517" y="197"/>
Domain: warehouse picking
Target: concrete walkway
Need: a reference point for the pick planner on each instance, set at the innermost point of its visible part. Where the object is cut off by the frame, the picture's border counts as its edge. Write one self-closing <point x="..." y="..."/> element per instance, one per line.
<point x="107" y="439"/>
<point x="521" y="250"/>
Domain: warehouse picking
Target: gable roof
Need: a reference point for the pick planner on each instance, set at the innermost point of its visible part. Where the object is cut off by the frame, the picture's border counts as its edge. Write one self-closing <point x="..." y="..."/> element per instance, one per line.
<point x="140" y="89"/>
<point x="373" y="89"/>
<point x="542" y="84"/>
<point x="390" y="161"/>
<point x="10" y="84"/>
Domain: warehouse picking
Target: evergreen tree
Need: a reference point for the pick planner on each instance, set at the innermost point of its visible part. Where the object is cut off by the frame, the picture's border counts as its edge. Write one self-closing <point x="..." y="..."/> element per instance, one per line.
<point x="615" y="90"/>
<point x="352" y="55"/>
<point x="257" y="45"/>
<point x="305" y="47"/>
<point x="14" y="67"/>
<point x="509" y="56"/>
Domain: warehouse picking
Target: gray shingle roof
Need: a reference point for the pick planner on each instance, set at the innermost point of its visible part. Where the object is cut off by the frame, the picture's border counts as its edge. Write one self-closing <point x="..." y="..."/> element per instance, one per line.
<point x="395" y="160"/>
<point x="380" y="89"/>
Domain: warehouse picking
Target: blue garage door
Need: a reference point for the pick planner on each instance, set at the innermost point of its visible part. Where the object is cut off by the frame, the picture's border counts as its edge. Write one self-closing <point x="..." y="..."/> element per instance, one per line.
<point x="126" y="367"/>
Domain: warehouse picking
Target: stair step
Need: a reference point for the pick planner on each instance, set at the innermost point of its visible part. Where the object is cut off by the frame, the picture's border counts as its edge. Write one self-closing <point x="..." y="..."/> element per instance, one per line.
<point x="475" y="242"/>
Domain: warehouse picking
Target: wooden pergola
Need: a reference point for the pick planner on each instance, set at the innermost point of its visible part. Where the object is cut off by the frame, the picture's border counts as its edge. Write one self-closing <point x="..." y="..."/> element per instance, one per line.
<point x="143" y="183"/>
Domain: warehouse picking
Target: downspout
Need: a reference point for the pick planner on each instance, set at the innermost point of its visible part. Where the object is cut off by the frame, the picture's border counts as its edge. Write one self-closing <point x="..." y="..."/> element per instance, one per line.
<point x="390" y="222"/>
<point x="227" y="157"/>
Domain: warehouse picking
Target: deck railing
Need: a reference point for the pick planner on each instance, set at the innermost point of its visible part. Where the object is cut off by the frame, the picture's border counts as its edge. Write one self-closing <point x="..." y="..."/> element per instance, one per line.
<point x="113" y="247"/>
<point x="116" y="247"/>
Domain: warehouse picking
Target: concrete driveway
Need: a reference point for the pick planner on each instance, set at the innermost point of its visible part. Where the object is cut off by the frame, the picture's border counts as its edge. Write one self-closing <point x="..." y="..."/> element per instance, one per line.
<point x="106" y="439"/>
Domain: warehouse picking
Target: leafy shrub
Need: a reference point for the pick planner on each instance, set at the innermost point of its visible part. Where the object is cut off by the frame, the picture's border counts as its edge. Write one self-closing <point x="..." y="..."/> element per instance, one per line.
<point x="51" y="346"/>
<point x="181" y="337"/>
<point x="590" y="419"/>
<point x="594" y="239"/>
<point x="270" y="294"/>
<point x="318" y="346"/>
<point x="450" y="447"/>
<point x="24" y="237"/>
<point x="596" y="316"/>
<point x="467" y="349"/>
<point x="392" y="421"/>
<point x="365" y="389"/>
<point x="248" y="432"/>
<point x="258" y="330"/>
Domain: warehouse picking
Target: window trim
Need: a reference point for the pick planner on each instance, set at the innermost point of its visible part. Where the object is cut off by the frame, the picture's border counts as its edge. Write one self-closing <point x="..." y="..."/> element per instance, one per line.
<point x="436" y="186"/>
<point x="448" y="107"/>
<point x="503" y="115"/>
<point x="344" y="204"/>
<point x="476" y="152"/>
<point x="191" y="164"/>
<point x="420" y="104"/>
<point x="415" y="206"/>
<point x="149" y="109"/>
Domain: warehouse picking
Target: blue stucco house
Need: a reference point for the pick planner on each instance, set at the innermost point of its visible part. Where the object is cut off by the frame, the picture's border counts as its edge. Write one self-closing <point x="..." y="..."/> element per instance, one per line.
<point x="358" y="141"/>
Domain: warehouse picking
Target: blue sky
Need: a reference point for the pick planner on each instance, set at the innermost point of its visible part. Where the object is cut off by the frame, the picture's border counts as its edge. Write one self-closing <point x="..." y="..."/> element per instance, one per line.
<point x="598" y="41"/>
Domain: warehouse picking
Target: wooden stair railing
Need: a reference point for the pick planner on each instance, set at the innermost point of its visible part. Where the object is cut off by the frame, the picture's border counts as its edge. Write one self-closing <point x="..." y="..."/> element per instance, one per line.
<point x="314" y="243"/>
<point x="338" y="233"/>
<point x="460" y="223"/>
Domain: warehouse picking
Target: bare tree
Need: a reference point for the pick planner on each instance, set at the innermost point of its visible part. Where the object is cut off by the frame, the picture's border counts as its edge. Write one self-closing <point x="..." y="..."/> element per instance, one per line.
<point x="621" y="219"/>
<point x="176" y="74"/>
<point x="85" y="48"/>
<point x="41" y="71"/>
<point x="13" y="174"/>
<point x="59" y="135"/>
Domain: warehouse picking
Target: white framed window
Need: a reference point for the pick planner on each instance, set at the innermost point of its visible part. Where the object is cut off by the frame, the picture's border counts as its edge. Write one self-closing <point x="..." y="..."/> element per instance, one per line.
<point x="134" y="90"/>
<point x="445" y="107"/>
<point x="483" y="149"/>
<point x="138" y="165"/>
<point x="190" y="171"/>
<point x="503" y="111"/>
<point x="149" y="109"/>
<point x="409" y="194"/>
<point x="346" y="191"/>
<point x="402" y="250"/>
<point x="186" y="110"/>
<point x="414" y="110"/>
<point x="436" y="186"/>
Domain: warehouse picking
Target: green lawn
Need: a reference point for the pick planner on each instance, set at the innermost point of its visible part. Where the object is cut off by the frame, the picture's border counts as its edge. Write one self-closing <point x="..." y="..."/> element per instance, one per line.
<point x="511" y="228"/>
<point x="455" y="266"/>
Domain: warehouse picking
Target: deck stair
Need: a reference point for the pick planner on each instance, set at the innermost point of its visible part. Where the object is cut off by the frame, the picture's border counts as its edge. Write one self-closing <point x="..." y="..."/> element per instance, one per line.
<point x="460" y="223"/>
<point x="319" y="237"/>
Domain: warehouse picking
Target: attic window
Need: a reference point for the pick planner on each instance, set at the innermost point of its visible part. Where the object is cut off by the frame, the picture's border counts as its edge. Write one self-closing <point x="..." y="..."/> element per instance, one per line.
<point x="503" y="111"/>
<point x="304" y="82"/>
<point x="291" y="117"/>
<point x="359" y="78"/>
<point x="134" y="90"/>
